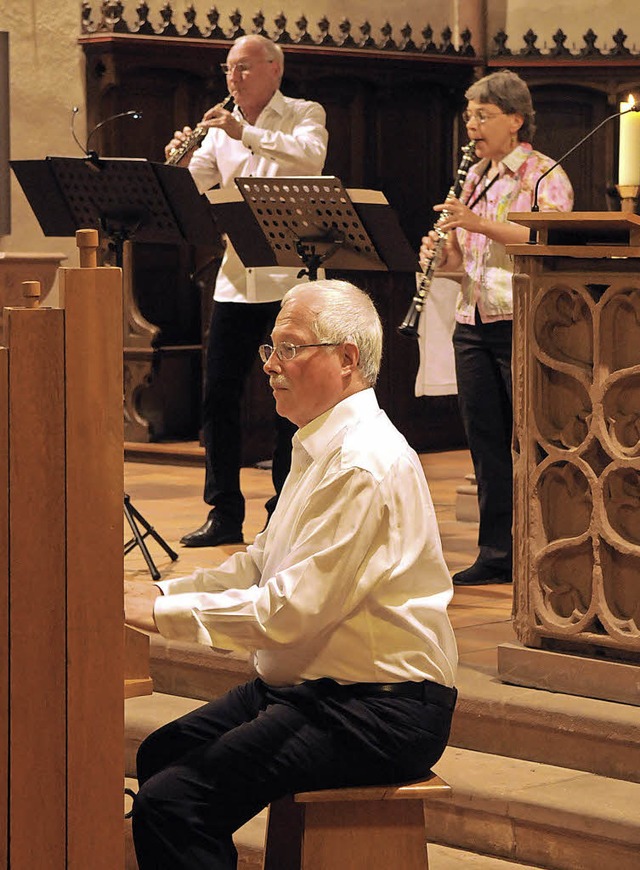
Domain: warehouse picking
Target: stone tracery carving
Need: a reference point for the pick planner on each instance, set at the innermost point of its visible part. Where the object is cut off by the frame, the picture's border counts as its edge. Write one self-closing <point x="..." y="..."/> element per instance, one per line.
<point x="583" y="535"/>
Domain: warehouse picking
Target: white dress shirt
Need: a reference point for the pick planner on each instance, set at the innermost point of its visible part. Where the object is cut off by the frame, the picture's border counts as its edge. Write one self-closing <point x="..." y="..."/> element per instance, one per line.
<point x="289" y="138"/>
<point x="348" y="581"/>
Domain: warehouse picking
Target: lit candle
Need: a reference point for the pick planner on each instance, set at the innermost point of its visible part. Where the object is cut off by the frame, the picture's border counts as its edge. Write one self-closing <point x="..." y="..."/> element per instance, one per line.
<point x="629" y="153"/>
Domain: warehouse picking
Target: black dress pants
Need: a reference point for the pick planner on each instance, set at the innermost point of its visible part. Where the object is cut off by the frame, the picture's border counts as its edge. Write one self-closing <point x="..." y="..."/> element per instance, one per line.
<point x="206" y="774"/>
<point x="483" y="372"/>
<point x="237" y="330"/>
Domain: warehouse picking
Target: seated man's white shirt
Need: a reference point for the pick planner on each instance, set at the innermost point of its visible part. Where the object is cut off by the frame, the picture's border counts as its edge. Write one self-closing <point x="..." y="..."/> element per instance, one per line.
<point x="289" y="138"/>
<point x="348" y="581"/>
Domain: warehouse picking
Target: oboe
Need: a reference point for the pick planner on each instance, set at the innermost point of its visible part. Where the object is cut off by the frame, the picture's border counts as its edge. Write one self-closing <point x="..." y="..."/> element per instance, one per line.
<point x="409" y="325"/>
<point x="196" y="137"/>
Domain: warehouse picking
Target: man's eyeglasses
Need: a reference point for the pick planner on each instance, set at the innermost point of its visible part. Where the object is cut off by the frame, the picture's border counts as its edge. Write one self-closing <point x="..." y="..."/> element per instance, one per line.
<point x="480" y="116"/>
<point x="242" y="68"/>
<point x="286" y="351"/>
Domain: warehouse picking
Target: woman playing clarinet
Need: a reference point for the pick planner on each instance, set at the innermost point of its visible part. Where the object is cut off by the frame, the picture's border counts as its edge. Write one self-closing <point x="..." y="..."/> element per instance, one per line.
<point x="500" y="120"/>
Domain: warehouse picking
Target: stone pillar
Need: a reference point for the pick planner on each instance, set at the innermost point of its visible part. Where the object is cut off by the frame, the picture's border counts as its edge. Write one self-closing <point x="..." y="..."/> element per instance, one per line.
<point x="577" y="458"/>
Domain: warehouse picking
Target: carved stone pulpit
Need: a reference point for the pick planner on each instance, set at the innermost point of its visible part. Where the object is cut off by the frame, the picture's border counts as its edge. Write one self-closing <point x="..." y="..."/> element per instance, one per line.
<point x="576" y="383"/>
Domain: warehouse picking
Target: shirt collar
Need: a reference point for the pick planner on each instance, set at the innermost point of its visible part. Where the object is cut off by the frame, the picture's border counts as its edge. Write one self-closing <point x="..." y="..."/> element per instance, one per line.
<point x="512" y="162"/>
<point x="276" y="104"/>
<point x="318" y="434"/>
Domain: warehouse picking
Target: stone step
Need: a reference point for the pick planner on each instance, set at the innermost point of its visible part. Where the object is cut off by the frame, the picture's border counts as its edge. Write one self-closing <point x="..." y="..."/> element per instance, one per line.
<point x="491" y="716"/>
<point x="508" y="808"/>
<point x="587" y="734"/>
<point x="537" y="813"/>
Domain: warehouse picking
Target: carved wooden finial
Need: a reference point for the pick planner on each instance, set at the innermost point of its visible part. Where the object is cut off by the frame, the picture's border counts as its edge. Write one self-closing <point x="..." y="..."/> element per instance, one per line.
<point x="143" y="26"/>
<point x="407" y="43"/>
<point x="428" y="44"/>
<point x="237" y="30"/>
<point x="303" y="37"/>
<point x="367" y="40"/>
<point x="258" y="25"/>
<point x="530" y="48"/>
<point x="191" y="30"/>
<point x="466" y="49"/>
<point x="500" y="40"/>
<point x="214" y="31"/>
<point x="112" y="19"/>
<point x="325" y="36"/>
<point x="31" y="292"/>
<point x="559" y="49"/>
<point x="347" y="40"/>
<point x="167" y="28"/>
<point x="590" y="48"/>
<point x="88" y="25"/>
<point x="619" y="37"/>
<point x="281" y="35"/>
<point x="447" y="46"/>
<point x="388" y="42"/>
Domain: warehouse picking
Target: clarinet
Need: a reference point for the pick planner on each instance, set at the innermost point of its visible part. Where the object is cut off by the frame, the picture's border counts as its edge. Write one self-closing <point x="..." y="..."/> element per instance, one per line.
<point x="409" y="325"/>
<point x="196" y="137"/>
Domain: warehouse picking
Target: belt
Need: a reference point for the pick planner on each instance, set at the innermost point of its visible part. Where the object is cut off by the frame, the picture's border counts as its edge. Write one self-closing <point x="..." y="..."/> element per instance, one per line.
<point x="426" y="690"/>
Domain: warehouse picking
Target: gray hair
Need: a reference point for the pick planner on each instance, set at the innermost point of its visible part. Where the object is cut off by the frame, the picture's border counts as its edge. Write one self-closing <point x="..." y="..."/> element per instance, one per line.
<point x="272" y="50"/>
<point x="342" y="312"/>
<point x="506" y="90"/>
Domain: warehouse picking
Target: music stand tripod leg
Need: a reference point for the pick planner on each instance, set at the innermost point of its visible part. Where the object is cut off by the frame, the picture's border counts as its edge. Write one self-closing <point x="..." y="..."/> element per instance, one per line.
<point x="133" y="516"/>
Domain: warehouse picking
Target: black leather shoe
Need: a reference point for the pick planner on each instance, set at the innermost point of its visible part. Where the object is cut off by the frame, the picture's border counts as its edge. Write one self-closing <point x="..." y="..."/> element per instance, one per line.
<point x="480" y="574"/>
<point x="214" y="532"/>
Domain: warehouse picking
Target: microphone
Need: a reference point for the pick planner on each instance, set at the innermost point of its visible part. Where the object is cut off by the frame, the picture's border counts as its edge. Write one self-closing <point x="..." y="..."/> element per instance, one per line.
<point x="93" y="155"/>
<point x="533" y="235"/>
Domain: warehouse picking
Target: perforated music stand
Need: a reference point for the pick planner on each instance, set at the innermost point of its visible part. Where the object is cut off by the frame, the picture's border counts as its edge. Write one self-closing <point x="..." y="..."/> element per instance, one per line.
<point x="314" y="221"/>
<point x="123" y="199"/>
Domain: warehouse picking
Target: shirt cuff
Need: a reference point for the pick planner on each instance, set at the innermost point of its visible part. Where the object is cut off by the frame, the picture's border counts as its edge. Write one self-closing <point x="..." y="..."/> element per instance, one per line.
<point x="250" y="138"/>
<point x="177" y="620"/>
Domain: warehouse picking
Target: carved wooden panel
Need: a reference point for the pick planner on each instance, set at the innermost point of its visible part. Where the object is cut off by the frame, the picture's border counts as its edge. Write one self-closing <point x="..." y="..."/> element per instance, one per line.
<point x="577" y="455"/>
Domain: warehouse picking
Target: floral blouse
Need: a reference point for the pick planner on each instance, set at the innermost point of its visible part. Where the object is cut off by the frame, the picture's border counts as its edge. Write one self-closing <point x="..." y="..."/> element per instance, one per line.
<point x="488" y="269"/>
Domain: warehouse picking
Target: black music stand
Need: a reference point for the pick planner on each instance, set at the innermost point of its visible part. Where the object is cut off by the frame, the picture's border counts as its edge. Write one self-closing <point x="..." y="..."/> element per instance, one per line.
<point x="124" y="199"/>
<point x="286" y="221"/>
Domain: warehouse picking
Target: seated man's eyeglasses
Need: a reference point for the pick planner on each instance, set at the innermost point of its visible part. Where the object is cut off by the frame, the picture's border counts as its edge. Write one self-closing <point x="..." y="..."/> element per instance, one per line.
<point x="286" y="351"/>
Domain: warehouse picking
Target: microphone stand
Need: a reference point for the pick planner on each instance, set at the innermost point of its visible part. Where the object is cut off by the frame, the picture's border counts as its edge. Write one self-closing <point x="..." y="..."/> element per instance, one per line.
<point x="92" y="156"/>
<point x="533" y="234"/>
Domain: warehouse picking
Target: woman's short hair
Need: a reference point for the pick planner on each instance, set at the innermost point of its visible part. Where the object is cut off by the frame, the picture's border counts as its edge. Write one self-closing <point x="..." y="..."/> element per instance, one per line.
<point x="506" y="90"/>
<point x="343" y="312"/>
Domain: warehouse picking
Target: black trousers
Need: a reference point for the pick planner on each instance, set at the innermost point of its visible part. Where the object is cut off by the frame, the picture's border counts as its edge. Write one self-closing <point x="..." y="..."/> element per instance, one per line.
<point x="206" y="774"/>
<point x="483" y="372"/>
<point x="237" y="330"/>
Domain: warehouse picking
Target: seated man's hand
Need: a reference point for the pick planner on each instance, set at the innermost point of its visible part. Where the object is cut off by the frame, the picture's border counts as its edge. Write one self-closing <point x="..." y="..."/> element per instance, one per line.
<point x="139" y="599"/>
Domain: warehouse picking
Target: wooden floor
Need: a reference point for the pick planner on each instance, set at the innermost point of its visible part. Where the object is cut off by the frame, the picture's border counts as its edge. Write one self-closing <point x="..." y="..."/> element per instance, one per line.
<point x="170" y="497"/>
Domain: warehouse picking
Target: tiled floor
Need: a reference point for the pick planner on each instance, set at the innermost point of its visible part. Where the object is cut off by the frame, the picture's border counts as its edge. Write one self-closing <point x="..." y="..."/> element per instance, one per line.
<point x="170" y="497"/>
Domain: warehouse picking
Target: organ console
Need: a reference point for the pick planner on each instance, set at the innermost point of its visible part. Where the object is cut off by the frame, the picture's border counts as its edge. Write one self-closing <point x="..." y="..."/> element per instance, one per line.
<point x="63" y="651"/>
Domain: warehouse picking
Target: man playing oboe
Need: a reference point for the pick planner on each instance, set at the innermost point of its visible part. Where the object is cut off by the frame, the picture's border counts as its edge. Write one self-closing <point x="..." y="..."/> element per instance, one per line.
<point x="266" y="135"/>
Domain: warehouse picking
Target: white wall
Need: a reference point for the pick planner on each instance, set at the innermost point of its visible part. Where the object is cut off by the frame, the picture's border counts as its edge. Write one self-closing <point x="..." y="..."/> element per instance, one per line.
<point x="46" y="80"/>
<point x="574" y="17"/>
